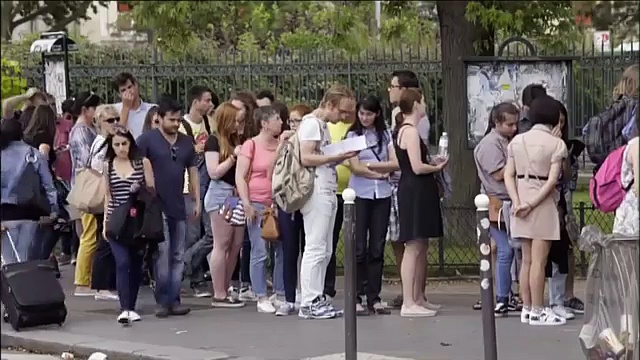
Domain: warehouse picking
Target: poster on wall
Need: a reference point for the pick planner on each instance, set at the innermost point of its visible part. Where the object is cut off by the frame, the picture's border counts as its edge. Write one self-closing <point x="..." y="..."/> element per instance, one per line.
<point x="55" y="80"/>
<point x="491" y="82"/>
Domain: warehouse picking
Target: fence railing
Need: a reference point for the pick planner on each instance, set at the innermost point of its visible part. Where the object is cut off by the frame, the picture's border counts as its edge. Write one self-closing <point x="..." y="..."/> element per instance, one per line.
<point x="303" y="76"/>
<point x="456" y="254"/>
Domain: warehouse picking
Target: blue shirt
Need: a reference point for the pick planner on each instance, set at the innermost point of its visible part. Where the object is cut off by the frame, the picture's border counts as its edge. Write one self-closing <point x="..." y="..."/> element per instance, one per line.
<point x="169" y="162"/>
<point x="372" y="188"/>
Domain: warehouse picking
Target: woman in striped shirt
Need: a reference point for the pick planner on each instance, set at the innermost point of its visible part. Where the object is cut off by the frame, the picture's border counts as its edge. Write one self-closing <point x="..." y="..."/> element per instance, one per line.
<point x="125" y="173"/>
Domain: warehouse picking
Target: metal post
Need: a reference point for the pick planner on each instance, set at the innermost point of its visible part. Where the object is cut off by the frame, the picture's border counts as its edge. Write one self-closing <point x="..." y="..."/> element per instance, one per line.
<point x="349" y="227"/>
<point x="486" y="278"/>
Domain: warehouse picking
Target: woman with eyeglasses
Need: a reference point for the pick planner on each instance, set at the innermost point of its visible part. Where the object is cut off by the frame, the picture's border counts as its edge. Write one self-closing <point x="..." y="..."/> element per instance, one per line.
<point x="152" y="120"/>
<point x="103" y="277"/>
<point x="291" y="231"/>
<point x="253" y="181"/>
<point x="126" y="173"/>
<point x="80" y="140"/>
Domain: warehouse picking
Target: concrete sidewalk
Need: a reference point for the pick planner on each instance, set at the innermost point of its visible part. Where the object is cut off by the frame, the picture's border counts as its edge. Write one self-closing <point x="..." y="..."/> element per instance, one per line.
<point x="455" y="334"/>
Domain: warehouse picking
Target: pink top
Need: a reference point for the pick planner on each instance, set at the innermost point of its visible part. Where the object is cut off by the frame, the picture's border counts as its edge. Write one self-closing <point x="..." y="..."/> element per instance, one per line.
<point x="62" y="165"/>
<point x="262" y="159"/>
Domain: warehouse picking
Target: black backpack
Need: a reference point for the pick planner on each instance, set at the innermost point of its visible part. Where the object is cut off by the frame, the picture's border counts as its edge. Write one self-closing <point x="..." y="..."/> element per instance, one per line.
<point x="603" y="132"/>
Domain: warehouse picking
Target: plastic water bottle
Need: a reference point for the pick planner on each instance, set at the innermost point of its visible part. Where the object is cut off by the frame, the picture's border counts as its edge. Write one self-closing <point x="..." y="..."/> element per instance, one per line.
<point x="443" y="145"/>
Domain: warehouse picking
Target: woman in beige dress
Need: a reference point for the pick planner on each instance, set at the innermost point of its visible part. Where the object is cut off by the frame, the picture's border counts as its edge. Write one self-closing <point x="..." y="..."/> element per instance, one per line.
<point x="533" y="167"/>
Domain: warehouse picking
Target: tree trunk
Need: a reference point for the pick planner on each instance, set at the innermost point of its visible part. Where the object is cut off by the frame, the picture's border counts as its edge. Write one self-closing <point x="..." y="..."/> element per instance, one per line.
<point x="6" y="19"/>
<point x="457" y="37"/>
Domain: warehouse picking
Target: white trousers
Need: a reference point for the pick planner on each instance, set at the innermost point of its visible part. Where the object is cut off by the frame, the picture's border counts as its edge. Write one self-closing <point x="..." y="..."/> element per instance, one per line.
<point x="319" y="216"/>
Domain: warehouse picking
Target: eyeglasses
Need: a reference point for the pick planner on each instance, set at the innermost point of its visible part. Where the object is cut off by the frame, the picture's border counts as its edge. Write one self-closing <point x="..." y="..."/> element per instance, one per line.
<point x="112" y="120"/>
<point x="174" y="153"/>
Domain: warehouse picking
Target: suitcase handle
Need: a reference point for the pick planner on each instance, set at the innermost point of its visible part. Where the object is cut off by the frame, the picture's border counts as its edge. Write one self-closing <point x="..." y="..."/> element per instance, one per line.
<point x="13" y="245"/>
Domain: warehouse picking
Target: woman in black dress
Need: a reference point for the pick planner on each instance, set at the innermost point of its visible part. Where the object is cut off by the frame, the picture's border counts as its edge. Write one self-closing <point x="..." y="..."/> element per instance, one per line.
<point x="418" y="201"/>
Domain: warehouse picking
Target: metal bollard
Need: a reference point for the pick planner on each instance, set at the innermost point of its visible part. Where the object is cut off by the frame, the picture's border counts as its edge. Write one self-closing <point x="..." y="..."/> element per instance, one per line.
<point x="349" y="228"/>
<point x="486" y="278"/>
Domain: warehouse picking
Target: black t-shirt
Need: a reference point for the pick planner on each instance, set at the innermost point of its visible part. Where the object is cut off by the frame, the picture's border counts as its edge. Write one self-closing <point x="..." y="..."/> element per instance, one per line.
<point x="212" y="144"/>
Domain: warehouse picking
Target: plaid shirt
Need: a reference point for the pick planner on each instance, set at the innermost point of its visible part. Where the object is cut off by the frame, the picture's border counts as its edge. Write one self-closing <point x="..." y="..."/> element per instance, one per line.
<point x="80" y="140"/>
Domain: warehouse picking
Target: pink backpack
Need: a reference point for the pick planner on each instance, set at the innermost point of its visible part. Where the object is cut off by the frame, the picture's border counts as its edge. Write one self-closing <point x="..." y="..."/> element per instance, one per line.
<point x="605" y="188"/>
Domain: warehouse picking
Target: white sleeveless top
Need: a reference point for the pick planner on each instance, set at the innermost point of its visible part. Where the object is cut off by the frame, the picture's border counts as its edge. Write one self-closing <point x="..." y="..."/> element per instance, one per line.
<point x="626" y="221"/>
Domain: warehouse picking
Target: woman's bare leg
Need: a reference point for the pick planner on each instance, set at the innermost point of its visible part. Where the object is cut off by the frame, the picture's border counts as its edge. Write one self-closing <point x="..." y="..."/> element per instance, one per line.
<point x="420" y="273"/>
<point x="222" y="233"/>
<point x="525" y="291"/>
<point x="408" y="272"/>
<point x="539" y="253"/>
<point x="237" y="238"/>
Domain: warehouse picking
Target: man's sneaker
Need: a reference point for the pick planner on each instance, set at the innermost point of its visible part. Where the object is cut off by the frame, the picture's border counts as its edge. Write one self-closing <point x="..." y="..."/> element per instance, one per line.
<point x="515" y="302"/>
<point x="134" y="316"/>
<point x="477" y="305"/>
<point x="430" y="306"/>
<point x="227" y="302"/>
<point x="546" y="318"/>
<point x="501" y="309"/>
<point x="319" y="309"/>
<point x="575" y="305"/>
<point x="397" y="302"/>
<point x="234" y="293"/>
<point x="124" y="318"/>
<point x="162" y="312"/>
<point x="64" y="259"/>
<point x="563" y="312"/>
<point x="286" y="309"/>
<point x="246" y="294"/>
<point x="265" y="305"/>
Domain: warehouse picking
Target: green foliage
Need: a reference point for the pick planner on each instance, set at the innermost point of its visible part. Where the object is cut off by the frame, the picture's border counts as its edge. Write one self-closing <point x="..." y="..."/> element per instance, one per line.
<point x="12" y="81"/>
<point x="181" y="26"/>
<point x="550" y="23"/>
<point x="57" y="15"/>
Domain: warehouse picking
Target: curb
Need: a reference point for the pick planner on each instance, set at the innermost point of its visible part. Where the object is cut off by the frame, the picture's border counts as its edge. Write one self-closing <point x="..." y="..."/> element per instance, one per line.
<point x="55" y="342"/>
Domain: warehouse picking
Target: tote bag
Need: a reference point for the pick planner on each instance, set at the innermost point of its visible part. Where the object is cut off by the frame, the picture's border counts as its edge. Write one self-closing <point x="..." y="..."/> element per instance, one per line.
<point x="87" y="194"/>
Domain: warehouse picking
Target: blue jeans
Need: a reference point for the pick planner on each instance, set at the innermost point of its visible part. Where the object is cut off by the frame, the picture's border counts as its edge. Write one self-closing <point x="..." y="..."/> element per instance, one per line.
<point x="258" y="264"/>
<point x="556" y="286"/>
<point x="169" y="262"/>
<point x="198" y="244"/>
<point x="503" y="266"/>
<point x="128" y="273"/>
<point x="22" y="233"/>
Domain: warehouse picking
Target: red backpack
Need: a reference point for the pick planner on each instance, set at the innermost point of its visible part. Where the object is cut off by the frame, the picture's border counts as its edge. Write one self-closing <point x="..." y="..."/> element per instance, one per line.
<point x="606" y="189"/>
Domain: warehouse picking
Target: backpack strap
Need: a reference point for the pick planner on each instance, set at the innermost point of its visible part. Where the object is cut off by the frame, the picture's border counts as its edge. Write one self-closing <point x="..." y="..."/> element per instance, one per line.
<point x="187" y="128"/>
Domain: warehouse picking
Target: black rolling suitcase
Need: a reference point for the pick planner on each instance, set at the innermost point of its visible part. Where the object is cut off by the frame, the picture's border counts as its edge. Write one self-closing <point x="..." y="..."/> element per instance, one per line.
<point x="31" y="294"/>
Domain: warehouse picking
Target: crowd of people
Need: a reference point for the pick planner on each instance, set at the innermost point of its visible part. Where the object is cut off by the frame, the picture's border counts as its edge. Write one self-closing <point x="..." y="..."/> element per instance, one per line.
<point x="202" y="182"/>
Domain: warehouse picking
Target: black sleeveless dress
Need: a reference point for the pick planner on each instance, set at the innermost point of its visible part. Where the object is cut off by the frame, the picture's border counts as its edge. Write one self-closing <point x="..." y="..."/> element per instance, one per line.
<point x="419" y="211"/>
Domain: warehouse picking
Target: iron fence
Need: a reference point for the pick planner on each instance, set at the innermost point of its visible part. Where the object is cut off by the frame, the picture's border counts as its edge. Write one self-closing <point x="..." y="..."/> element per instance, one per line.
<point x="456" y="254"/>
<point x="303" y="76"/>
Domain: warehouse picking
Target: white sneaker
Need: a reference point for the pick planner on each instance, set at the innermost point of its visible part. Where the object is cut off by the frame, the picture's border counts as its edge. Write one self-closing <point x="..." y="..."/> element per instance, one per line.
<point x="546" y="318"/>
<point x="246" y="294"/>
<point x="106" y="295"/>
<point x="417" y="311"/>
<point x="277" y="302"/>
<point x="134" y="316"/>
<point x="563" y="312"/>
<point x="265" y="306"/>
<point x="123" y="318"/>
<point x="286" y="309"/>
<point x="524" y="316"/>
<point x="233" y="293"/>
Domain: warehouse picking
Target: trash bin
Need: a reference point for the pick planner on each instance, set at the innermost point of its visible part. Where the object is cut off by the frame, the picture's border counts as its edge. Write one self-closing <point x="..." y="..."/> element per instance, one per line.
<point x="610" y="330"/>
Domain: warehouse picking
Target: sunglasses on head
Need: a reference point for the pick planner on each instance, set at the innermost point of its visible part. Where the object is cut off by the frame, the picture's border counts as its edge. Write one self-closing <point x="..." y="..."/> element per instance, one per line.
<point x="174" y="153"/>
<point x="88" y="100"/>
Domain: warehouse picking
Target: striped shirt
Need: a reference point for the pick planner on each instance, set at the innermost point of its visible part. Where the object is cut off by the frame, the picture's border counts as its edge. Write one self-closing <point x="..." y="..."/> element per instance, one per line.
<point x="121" y="188"/>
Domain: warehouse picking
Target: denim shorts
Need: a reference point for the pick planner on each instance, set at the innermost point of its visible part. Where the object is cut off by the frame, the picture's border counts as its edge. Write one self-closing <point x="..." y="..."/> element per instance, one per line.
<point x="217" y="193"/>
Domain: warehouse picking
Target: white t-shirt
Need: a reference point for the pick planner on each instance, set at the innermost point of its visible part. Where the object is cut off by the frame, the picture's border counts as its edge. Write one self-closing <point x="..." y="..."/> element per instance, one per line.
<point x="135" y="122"/>
<point x="313" y="129"/>
<point x="98" y="153"/>
<point x="200" y="135"/>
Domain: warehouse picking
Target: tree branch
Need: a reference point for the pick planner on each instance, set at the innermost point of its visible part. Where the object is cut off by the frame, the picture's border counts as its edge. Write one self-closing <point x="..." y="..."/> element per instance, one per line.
<point x="34" y="15"/>
<point x="62" y="24"/>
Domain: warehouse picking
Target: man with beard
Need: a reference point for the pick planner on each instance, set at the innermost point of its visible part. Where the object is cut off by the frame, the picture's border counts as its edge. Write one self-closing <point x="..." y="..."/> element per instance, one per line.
<point x="171" y="153"/>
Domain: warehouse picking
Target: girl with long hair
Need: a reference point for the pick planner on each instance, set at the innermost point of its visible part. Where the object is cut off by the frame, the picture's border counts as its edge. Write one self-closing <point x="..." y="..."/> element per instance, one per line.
<point x="41" y="130"/>
<point x="125" y="174"/>
<point x="221" y="152"/>
<point x="151" y="120"/>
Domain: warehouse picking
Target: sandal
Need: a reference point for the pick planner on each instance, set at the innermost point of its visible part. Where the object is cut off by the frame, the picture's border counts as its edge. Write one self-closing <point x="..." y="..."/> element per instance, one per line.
<point x="546" y="318"/>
